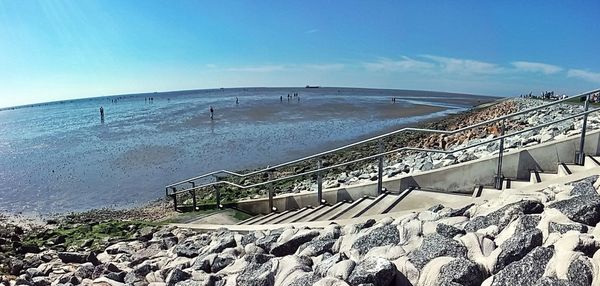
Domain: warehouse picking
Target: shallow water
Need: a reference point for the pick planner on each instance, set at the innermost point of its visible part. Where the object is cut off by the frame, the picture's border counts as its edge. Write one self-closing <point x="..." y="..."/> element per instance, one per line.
<point x="59" y="157"/>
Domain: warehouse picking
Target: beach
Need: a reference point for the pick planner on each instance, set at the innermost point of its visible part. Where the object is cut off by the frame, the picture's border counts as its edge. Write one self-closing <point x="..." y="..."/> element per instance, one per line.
<point x="59" y="157"/>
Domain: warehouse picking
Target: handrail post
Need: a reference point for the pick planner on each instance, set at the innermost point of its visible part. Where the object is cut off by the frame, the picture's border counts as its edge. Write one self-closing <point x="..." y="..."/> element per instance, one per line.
<point x="174" y="198"/>
<point x="270" y="189"/>
<point x="217" y="194"/>
<point x="499" y="178"/>
<point x="580" y="160"/>
<point x="193" y="193"/>
<point x="380" y="168"/>
<point x="319" y="182"/>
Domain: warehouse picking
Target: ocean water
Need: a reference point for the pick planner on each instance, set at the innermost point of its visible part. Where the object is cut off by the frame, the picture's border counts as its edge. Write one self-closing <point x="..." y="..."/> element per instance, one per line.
<point x="60" y="157"/>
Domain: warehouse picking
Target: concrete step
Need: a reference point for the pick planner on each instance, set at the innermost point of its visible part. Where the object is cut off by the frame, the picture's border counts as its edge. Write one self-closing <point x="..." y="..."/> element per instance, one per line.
<point x="290" y="215"/>
<point x="514" y="184"/>
<point x="264" y="218"/>
<point x="564" y="170"/>
<point x="251" y="220"/>
<point x="538" y="177"/>
<point x="356" y="209"/>
<point x="383" y="204"/>
<point x="373" y="204"/>
<point x="298" y="214"/>
<point x="343" y="210"/>
<point x="272" y="218"/>
<point x="322" y="215"/>
<point x="423" y="199"/>
<point x="312" y="212"/>
<point x="592" y="161"/>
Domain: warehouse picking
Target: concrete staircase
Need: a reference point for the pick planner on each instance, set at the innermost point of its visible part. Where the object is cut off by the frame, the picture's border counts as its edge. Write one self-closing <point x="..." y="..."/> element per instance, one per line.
<point x="413" y="198"/>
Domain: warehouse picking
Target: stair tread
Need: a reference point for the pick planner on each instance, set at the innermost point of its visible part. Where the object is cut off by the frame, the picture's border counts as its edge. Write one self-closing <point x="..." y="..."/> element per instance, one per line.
<point x="382" y="205"/>
<point x="357" y="208"/>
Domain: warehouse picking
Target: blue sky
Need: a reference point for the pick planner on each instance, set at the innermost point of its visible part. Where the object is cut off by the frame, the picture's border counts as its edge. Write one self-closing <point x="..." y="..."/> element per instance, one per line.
<point x="52" y="50"/>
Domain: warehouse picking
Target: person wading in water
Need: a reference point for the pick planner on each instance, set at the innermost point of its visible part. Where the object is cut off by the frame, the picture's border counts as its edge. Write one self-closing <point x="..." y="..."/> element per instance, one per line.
<point x="101" y="114"/>
<point x="212" y="111"/>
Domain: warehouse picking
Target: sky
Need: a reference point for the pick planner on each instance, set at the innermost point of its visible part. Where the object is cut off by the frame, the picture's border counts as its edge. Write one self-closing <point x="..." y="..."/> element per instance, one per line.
<point x="53" y="50"/>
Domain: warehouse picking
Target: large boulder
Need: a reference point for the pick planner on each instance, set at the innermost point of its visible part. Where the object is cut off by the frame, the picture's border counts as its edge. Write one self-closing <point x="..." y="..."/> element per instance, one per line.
<point x="462" y="272"/>
<point x="375" y="271"/>
<point x="526" y="271"/>
<point x="259" y="272"/>
<point x="316" y="247"/>
<point x="581" y="208"/>
<point x="291" y="245"/>
<point x="435" y="245"/>
<point x="517" y="247"/>
<point x="504" y="215"/>
<point x="78" y="257"/>
<point x="385" y="235"/>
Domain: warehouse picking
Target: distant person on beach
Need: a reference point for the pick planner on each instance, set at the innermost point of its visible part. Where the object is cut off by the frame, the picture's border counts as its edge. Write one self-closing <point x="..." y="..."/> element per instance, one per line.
<point x="281" y="98"/>
<point x="212" y="111"/>
<point x="237" y="101"/>
<point x="101" y="114"/>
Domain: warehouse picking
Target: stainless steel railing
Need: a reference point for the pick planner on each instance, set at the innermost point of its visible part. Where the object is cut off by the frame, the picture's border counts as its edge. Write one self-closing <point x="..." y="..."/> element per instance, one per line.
<point x="381" y="153"/>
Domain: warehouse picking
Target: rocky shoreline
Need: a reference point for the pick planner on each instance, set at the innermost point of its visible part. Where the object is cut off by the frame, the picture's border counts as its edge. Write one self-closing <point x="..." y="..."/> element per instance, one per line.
<point x="413" y="163"/>
<point x="541" y="238"/>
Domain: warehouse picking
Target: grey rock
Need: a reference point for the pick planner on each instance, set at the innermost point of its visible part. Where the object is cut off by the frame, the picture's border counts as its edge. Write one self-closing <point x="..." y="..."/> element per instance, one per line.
<point x="143" y="269"/>
<point x="385" y="235"/>
<point x="462" y="272"/>
<point x="168" y="242"/>
<point x="322" y="268"/>
<point x="41" y="281"/>
<point x="376" y="271"/>
<point x="131" y="278"/>
<point x="582" y="209"/>
<point x="308" y="278"/>
<point x="563" y="228"/>
<point x="269" y="240"/>
<point x="225" y="242"/>
<point x="448" y="230"/>
<point x="516" y="247"/>
<point x="316" y="247"/>
<point x="257" y="273"/>
<point x="146" y="233"/>
<point x="435" y="245"/>
<point x="34" y="272"/>
<point x="248" y="238"/>
<point x="191" y="248"/>
<point x="116" y="276"/>
<point x="503" y="216"/>
<point x="436" y="208"/>
<point x="221" y="262"/>
<point x="526" y="271"/>
<point x="85" y="270"/>
<point x="527" y="222"/>
<point x="459" y="211"/>
<point x="291" y="246"/>
<point x="551" y="281"/>
<point x="76" y="257"/>
<point x="585" y="187"/>
<point x="177" y="275"/>
<point x="581" y="272"/>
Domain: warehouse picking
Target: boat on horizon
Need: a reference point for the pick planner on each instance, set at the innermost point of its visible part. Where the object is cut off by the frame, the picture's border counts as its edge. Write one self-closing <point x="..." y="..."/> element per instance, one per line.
<point x="314" y="86"/>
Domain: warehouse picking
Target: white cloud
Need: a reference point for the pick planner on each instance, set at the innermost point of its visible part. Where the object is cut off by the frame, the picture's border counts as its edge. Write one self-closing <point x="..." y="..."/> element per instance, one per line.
<point x="465" y="66"/>
<point x="585" y="75"/>
<point x="311" y="31"/>
<point x="536" y="67"/>
<point x="404" y="64"/>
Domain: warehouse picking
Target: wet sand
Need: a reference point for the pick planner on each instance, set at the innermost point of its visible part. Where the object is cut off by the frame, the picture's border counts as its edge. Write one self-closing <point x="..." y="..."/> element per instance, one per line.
<point x="60" y="158"/>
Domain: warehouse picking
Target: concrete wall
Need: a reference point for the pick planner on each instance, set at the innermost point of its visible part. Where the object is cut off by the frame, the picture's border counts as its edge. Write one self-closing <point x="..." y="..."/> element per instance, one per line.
<point x="459" y="178"/>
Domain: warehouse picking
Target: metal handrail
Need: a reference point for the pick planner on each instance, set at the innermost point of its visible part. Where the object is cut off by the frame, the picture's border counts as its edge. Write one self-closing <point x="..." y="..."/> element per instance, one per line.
<point x="382" y="153"/>
<point x="406" y="129"/>
<point x="386" y="153"/>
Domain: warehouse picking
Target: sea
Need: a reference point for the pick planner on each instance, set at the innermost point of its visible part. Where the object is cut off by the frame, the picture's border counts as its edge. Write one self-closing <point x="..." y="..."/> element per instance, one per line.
<point x="60" y="157"/>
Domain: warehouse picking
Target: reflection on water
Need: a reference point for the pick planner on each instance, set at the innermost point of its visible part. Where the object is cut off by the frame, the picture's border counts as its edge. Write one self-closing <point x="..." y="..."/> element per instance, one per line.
<point x="60" y="157"/>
